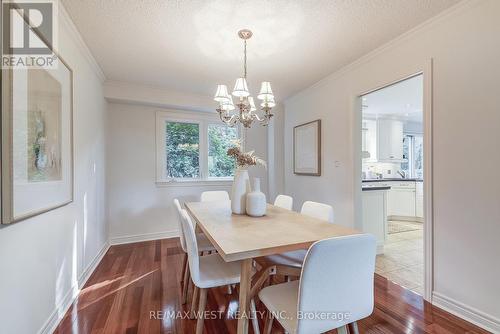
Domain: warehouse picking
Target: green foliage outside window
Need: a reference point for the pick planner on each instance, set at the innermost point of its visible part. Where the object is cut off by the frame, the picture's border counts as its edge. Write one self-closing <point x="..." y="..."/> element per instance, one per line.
<point x="183" y="152"/>
<point x="220" y="139"/>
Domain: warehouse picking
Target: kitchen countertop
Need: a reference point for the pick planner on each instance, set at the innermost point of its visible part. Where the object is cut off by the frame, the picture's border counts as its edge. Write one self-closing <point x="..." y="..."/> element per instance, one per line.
<point x="375" y="188"/>
<point x="392" y="179"/>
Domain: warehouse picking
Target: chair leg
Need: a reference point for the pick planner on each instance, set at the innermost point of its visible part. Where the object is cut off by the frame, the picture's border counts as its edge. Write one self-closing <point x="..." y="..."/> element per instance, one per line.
<point x="184" y="265"/>
<point x="193" y="301"/>
<point x="255" y="321"/>
<point x="353" y="328"/>
<point x="201" y="310"/>
<point x="185" y="284"/>
<point x="342" y="330"/>
<point x="269" y="324"/>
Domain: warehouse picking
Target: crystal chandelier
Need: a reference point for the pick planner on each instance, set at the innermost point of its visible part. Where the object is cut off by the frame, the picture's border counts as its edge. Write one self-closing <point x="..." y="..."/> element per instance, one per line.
<point x="245" y="113"/>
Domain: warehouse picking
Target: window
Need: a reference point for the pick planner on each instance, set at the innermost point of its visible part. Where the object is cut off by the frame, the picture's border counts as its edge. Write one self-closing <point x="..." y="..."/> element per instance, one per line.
<point x="192" y="147"/>
<point x="183" y="150"/>
<point x="220" y="139"/>
<point x="418" y="159"/>
<point x="413" y="152"/>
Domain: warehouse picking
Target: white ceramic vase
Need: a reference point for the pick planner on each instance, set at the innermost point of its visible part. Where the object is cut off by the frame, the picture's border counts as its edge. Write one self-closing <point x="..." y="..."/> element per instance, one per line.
<point x="256" y="200"/>
<point x="239" y="191"/>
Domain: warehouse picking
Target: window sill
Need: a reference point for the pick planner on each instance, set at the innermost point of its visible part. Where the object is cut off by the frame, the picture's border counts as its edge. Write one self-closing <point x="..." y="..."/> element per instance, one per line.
<point x="195" y="183"/>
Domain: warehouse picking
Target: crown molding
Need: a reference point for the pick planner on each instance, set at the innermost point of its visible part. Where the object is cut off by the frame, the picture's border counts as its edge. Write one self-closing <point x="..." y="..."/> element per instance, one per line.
<point x="67" y="22"/>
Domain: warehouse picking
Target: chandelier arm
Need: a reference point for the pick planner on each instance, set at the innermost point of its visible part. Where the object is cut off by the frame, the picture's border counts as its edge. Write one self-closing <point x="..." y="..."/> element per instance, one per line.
<point x="234" y="119"/>
<point x="224" y="117"/>
<point x="258" y="118"/>
<point x="230" y="121"/>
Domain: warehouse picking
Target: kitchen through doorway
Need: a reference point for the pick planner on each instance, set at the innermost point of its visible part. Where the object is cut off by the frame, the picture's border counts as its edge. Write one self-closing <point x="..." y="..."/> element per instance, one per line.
<point x="393" y="179"/>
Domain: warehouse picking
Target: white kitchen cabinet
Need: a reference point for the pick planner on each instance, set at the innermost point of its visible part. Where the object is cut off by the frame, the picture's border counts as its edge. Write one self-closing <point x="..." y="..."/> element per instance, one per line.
<point x="369" y="137"/>
<point x="389" y="140"/>
<point x="375" y="216"/>
<point x="419" y="199"/>
<point x="401" y="199"/>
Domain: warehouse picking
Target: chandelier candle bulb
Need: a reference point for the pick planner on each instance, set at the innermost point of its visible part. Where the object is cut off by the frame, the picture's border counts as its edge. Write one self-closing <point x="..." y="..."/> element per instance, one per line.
<point x="227" y="105"/>
<point x="252" y="103"/>
<point x="268" y="102"/>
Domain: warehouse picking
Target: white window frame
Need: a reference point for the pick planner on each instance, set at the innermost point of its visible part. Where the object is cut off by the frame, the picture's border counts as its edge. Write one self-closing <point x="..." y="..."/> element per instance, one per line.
<point x="203" y="119"/>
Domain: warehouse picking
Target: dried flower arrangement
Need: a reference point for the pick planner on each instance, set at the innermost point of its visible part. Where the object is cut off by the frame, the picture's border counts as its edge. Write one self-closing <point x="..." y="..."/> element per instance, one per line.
<point x="244" y="159"/>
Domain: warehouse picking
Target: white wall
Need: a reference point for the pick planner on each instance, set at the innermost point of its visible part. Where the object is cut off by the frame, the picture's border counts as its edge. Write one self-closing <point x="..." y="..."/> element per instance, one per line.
<point x="465" y="46"/>
<point x="45" y="258"/>
<point x="140" y="209"/>
<point x="275" y="153"/>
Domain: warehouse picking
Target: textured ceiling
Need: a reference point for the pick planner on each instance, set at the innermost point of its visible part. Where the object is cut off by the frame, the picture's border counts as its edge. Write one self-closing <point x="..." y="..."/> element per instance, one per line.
<point x="191" y="46"/>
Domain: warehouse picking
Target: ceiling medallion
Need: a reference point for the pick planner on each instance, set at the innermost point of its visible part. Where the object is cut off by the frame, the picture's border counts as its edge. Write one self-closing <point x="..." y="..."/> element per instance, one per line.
<point x="245" y="113"/>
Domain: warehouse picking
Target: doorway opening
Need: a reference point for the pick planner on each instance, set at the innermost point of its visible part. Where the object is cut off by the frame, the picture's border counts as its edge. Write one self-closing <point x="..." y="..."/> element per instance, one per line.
<point x="392" y="158"/>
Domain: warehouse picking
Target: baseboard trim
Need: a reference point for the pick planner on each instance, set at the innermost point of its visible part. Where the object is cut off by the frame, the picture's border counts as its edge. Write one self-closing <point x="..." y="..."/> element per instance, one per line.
<point x="70" y="296"/>
<point x="120" y="240"/>
<point x="60" y="310"/>
<point x="84" y="277"/>
<point x="472" y="315"/>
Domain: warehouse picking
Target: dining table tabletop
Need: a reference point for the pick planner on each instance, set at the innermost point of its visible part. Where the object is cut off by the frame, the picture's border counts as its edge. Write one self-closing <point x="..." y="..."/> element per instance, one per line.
<point x="244" y="238"/>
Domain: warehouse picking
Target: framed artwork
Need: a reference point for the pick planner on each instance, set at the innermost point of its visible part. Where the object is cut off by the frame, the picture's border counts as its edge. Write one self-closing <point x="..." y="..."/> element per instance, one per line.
<point x="37" y="141"/>
<point x="307" y="148"/>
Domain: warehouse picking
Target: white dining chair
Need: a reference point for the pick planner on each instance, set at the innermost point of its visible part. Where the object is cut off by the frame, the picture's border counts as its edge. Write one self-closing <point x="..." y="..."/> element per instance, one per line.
<point x="204" y="245"/>
<point x="290" y="263"/>
<point x="208" y="196"/>
<point x="318" y="210"/>
<point x="284" y="201"/>
<point x="334" y="290"/>
<point x="207" y="272"/>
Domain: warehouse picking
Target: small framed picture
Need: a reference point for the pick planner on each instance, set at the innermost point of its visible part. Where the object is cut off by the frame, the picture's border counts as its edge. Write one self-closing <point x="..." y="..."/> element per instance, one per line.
<point x="307" y="148"/>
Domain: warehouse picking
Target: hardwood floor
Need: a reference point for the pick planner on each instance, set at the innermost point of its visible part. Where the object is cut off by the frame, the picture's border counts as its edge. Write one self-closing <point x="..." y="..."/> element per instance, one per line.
<point x="136" y="281"/>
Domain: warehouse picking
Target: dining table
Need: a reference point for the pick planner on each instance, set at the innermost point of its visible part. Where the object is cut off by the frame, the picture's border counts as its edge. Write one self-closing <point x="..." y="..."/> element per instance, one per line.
<point x="244" y="238"/>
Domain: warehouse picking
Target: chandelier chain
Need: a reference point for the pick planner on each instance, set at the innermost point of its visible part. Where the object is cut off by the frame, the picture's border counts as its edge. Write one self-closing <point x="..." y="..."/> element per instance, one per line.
<point x="245" y="60"/>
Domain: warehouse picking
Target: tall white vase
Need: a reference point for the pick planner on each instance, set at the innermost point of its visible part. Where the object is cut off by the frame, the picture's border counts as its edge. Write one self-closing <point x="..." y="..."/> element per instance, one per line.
<point x="238" y="192"/>
<point x="256" y="200"/>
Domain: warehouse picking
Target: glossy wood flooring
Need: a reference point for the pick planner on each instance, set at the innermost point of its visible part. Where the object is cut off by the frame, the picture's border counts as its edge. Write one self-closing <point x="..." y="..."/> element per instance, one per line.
<point x="136" y="279"/>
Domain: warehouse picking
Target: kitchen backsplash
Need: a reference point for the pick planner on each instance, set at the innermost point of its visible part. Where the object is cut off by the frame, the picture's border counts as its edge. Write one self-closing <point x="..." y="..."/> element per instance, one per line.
<point x="388" y="170"/>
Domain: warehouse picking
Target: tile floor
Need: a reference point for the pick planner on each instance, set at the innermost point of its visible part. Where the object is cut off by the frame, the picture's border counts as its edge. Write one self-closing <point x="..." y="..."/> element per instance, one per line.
<point x="403" y="260"/>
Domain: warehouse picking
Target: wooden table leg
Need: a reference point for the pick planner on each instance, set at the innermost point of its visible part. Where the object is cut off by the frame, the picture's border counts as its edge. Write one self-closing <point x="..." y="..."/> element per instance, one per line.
<point x="245" y="287"/>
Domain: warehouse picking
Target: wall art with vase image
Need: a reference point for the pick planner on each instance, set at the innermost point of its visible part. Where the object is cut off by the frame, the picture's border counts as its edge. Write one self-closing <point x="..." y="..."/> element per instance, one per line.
<point x="307" y="148"/>
<point x="37" y="140"/>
